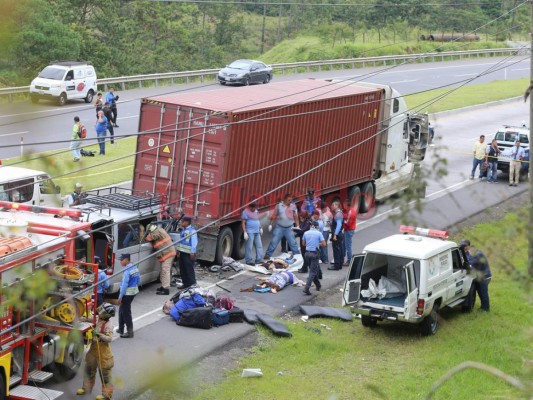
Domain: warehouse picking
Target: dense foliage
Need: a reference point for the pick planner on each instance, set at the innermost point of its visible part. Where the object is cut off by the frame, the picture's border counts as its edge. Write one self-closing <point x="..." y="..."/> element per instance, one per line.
<point x="125" y="37"/>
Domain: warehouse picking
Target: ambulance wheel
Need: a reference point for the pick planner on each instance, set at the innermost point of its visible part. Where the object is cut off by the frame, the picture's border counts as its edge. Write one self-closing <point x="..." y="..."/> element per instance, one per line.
<point x="89" y="97"/>
<point x="470" y="300"/>
<point x="430" y="324"/>
<point x="367" y="197"/>
<point x="73" y="357"/>
<point x="369" y="322"/>
<point x="62" y="100"/>
<point x="224" y="245"/>
<point x="238" y="242"/>
<point x="2" y="387"/>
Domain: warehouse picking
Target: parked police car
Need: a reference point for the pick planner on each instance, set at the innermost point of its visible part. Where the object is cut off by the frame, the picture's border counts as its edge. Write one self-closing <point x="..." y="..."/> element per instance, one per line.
<point x="408" y="278"/>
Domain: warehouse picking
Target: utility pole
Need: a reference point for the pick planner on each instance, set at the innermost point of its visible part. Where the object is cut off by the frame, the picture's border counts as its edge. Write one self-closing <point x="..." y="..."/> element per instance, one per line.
<point x="263" y="30"/>
<point x="530" y="175"/>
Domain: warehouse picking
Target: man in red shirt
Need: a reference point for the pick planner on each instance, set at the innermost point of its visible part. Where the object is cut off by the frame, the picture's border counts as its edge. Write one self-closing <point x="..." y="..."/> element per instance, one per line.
<point x="349" y="224"/>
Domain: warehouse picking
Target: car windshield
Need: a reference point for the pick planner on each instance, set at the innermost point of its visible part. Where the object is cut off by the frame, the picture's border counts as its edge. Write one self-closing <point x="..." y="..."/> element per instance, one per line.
<point x="510" y="136"/>
<point x="240" y="65"/>
<point x="52" y="73"/>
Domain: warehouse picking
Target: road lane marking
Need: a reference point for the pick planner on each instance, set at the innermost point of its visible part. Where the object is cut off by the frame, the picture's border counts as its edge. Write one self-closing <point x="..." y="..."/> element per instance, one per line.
<point x="405" y="81"/>
<point x="14" y="133"/>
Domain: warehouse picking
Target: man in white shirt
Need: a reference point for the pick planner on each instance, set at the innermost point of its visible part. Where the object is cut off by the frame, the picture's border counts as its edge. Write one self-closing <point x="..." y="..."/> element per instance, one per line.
<point x="517" y="156"/>
<point x="480" y="148"/>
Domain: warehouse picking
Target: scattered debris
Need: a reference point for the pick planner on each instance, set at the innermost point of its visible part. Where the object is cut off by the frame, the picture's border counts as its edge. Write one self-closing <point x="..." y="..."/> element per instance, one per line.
<point x="329" y="312"/>
<point x="325" y="326"/>
<point x="251" y="373"/>
<point x="304" y="318"/>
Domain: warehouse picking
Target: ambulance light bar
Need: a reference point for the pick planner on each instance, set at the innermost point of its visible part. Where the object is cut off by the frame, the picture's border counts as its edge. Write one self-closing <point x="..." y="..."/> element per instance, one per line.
<point x="62" y="212"/>
<point x="433" y="233"/>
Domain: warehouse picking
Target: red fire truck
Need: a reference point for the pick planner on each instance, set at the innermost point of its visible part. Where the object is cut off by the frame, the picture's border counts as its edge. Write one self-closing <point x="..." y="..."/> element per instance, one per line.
<point x="46" y="273"/>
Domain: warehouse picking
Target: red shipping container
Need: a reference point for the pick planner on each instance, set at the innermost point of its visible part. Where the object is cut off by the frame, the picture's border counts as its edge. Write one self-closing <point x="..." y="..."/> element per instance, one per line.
<point x="209" y="152"/>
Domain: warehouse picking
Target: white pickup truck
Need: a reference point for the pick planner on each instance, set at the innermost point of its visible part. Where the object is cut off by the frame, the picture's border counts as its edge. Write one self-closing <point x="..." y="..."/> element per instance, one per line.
<point x="409" y="277"/>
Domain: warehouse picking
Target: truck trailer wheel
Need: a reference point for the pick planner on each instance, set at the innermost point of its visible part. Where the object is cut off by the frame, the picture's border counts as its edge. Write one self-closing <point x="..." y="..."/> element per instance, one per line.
<point x="430" y="324"/>
<point x="238" y="242"/>
<point x="368" y="321"/>
<point x="368" y="197"/>
<point x="355" y="198"/>
<point x="224" y="245"/>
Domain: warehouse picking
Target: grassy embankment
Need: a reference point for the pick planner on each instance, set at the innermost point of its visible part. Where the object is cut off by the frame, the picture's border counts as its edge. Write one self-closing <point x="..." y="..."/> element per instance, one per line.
<point x="392" y="361"/>
<point x="120" y="158"/>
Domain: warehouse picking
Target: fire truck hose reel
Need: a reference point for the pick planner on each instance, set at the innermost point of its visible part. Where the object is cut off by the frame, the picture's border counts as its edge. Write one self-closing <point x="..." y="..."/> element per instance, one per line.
<point x="68" y="272"/>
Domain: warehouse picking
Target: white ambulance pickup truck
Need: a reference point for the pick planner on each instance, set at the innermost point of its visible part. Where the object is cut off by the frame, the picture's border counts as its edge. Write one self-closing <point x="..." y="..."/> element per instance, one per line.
<point x="408" y="278"/>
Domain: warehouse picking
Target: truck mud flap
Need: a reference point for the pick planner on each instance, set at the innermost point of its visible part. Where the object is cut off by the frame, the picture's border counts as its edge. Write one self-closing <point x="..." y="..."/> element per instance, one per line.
<point x="207" y="247"/>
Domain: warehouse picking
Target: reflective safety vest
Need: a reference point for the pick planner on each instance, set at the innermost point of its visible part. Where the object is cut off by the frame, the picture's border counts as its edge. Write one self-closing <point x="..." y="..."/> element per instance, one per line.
<point x="160" y="240"/>
<point x="187" y="241"/>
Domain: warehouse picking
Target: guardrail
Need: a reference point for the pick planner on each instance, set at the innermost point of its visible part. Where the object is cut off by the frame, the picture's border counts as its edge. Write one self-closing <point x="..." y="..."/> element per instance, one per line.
<point x="294" y="67"/>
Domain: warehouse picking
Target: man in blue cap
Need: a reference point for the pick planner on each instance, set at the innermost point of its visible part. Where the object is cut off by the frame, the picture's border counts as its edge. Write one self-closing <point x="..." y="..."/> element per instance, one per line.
<point x="313" y="240"/>
<point x="129" y="287"/>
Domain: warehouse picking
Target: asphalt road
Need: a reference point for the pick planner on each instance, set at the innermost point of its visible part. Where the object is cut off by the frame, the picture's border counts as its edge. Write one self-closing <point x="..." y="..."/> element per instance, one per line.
<point x="45" y="126"/>
<point x="159" y="344"/>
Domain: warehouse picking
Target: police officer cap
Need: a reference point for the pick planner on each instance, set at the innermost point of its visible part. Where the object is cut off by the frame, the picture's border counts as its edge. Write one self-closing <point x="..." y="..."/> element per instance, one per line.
<point x="464" y="243"/>
<point x="315" y="224"/>
<point x="78" y="186"/>
<point x="186" y="219"/>
<point x="124" y="256"/>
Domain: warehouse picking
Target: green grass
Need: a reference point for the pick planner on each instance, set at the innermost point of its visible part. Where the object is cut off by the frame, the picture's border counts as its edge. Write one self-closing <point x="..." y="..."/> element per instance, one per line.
<point x="467" y="95"/>
<point x="89" y="171"/>
<point x="393" y="361"/>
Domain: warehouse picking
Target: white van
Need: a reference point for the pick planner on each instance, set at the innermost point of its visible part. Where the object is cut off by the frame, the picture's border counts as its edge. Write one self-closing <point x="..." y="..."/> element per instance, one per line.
<point x="65" y="80"/>
<point x="23" y="185"/>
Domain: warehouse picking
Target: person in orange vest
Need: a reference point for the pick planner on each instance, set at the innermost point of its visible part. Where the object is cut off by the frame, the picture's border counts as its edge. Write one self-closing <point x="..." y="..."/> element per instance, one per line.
<point x="162" y="243"/>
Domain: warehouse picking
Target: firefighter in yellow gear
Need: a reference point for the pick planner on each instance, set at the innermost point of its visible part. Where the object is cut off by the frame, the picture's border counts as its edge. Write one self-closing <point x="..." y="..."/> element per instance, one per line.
<point x="99" y="357"/>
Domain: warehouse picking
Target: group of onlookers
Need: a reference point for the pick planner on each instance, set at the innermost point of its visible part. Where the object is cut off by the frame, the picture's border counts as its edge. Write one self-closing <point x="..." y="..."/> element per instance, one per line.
<point x="106" y="120"/>
<point x="486" y="158"/>
<point x="334" y="224"/>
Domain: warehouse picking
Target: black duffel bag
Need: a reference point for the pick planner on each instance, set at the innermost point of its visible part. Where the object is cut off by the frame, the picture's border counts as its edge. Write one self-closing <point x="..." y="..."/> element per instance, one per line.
<point x="199" y="317"/>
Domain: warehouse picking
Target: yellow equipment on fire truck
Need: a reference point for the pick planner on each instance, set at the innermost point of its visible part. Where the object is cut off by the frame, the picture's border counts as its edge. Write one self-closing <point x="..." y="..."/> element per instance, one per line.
<point x="46" y="273"/>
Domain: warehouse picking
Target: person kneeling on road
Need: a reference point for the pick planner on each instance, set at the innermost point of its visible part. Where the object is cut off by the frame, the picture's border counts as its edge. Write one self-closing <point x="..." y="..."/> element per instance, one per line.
<point x="312" y="240"/>
<point x="100" y="356"/>
<point x="166" y="252"/>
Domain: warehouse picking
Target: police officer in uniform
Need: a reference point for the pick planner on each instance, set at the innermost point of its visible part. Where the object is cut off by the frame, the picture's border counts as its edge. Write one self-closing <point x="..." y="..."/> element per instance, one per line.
<point x="187" y="252"/>
<point x="129" y="287"/>
<point x="313" y="240"/>
<point x="337" y="236"/>
<point x="100" y="355"/>
<point x="162" y="243"/>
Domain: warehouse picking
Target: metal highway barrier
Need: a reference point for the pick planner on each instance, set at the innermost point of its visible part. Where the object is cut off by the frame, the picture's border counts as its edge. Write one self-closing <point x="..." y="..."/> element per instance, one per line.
<point x="169" y="78"/>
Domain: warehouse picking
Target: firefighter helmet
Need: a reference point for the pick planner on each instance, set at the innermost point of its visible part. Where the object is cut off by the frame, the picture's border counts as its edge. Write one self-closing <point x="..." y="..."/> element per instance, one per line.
<point x="106" y="311"/>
